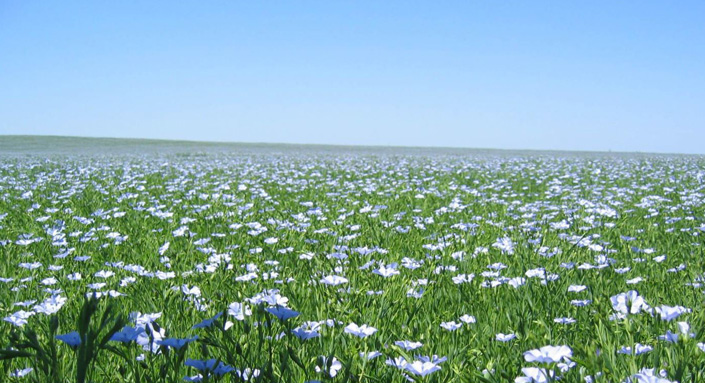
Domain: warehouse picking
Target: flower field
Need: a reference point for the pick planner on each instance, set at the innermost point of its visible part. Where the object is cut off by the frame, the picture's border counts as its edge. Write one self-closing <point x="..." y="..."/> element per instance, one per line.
<point x="303" y="267"/>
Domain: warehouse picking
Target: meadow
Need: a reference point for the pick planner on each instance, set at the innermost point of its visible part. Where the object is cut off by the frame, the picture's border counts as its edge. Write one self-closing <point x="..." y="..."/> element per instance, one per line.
<point x="295" y="264"/>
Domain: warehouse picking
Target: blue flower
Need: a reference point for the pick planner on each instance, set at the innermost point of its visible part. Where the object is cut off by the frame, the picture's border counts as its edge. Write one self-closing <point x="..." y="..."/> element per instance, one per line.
<point x="207" y="322"/>
<point x="209" y="366"/>
<point x="282" y="313"/>
<point x="72" y="339"/>
<point x="127" y="334"/>
<point x="175" y="342"/>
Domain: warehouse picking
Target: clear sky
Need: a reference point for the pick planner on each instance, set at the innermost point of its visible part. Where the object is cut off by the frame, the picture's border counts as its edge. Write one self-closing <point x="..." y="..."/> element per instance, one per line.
<point x="573" y="75"/>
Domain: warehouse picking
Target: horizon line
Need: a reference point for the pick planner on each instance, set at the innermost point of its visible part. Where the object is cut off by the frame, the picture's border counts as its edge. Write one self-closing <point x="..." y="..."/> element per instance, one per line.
<point x="209" y="142"/>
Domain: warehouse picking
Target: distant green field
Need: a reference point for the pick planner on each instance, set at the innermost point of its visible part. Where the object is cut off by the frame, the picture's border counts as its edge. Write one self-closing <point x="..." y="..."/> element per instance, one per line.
<point x="110" y="146"/>
<point x="62" y="145"/>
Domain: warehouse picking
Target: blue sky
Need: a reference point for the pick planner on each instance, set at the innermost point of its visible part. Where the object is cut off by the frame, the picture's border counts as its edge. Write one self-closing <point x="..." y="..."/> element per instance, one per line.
<point x="590" y="75"/>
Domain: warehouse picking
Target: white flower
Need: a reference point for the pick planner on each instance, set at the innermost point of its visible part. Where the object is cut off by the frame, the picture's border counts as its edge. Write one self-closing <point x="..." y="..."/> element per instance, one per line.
<point x="334" y="280"/>
<point x="637" y="350"/>
<point x="398" y="362"/>
<point x="629" y="303"/>
<point x="304" y="332"/>
<point x="239" y="311"/>
<point x="422" y="368"/>
<point x="195" y="290"/>
<point x="463" y="278"/>
<point x="564" y="320"/>
<point x="360" y="331"/>
<point x="451" y="326"/>
<point x="50" y="305"/>
<point x="505" y="245"/>
<point x="370" y="355"/>
<point x="505" y="337"/>
<point x="164" y="248"/>
<point x="22" y="372"/>
<point x="386" y="271"/>
<point x="104" y="274"/>
<point x="335" y="366"/>
<point x="549" y="354"/>
<point x="646" y="375"/>
<point x="576" y="288"/>
<point x="408" y="345"/>
<point x="19" y="318"/>
<point x="74" y="277"/>
<point x="669" y="313"/>
<point x="535" y="375"/>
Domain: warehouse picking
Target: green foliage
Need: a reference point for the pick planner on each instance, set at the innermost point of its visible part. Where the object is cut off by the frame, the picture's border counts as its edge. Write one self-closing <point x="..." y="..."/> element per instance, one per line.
<point x="445" y="213"/>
